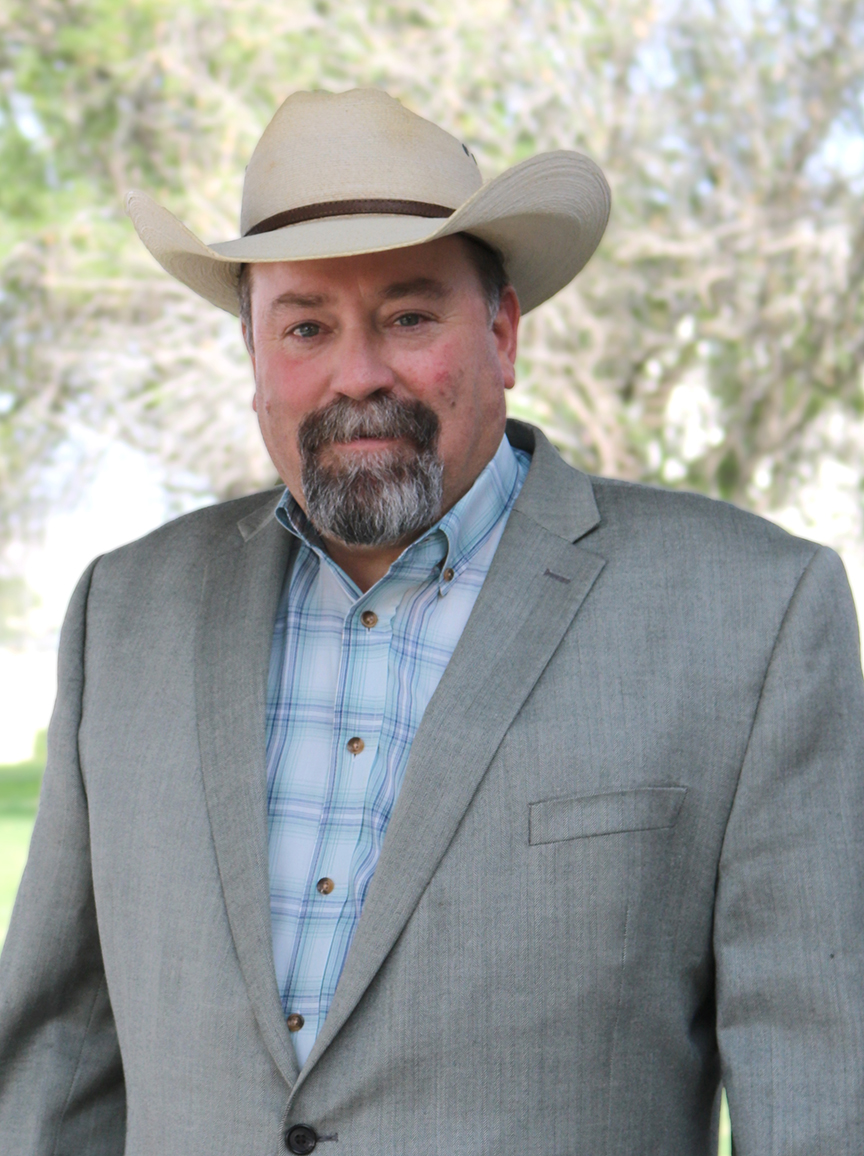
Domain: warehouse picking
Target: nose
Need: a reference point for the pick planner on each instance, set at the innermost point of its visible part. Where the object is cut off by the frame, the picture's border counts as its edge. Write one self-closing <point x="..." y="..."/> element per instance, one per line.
<point x="360" y="367"/>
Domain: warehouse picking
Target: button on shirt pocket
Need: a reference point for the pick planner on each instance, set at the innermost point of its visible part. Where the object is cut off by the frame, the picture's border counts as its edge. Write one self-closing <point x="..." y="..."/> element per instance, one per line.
<point x="643" y="809"/>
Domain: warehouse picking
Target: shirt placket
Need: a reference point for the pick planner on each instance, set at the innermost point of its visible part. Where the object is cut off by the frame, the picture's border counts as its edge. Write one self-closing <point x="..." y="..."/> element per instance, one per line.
<point x="357" y="722"/>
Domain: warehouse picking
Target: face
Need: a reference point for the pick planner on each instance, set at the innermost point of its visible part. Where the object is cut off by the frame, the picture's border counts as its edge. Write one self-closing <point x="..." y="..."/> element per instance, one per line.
<point x="405" y="333"/>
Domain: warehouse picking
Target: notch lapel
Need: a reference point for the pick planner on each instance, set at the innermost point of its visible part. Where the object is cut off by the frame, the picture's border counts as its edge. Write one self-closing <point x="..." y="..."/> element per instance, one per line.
<point x="241" y="593"/>
<point x="536" y="584"/>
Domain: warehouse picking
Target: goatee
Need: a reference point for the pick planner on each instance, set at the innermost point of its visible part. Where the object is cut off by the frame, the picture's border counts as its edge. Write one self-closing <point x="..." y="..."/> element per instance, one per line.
<point x="380" y="498"/>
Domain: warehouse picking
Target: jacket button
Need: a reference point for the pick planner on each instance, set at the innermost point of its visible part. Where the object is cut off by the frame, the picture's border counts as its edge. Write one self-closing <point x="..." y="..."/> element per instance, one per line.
<point x="301" y="1139"/>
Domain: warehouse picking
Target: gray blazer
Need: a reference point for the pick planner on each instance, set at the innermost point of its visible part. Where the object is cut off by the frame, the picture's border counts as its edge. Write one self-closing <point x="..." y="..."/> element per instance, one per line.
<point x="626" y="859"/>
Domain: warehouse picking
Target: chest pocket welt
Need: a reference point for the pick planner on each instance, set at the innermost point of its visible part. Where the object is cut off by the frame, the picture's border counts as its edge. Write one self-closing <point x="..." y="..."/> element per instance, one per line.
<point x="644" y="809"/>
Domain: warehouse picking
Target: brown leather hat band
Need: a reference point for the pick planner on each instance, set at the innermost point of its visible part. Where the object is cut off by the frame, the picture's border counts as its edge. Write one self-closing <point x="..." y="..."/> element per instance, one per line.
<point x="348" y="209"/>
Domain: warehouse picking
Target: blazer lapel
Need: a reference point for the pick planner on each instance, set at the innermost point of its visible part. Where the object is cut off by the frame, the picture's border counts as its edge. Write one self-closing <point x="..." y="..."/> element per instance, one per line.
<point x="536" y="584"/>
<point x="241" y="593"/>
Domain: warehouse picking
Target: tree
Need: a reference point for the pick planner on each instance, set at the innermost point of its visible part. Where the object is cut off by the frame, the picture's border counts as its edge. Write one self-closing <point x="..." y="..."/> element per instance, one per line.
<point x="711" y="343"/>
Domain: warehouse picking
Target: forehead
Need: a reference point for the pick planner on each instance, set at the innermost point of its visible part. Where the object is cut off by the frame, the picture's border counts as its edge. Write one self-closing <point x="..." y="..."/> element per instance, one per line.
<point x="436" y="268"/>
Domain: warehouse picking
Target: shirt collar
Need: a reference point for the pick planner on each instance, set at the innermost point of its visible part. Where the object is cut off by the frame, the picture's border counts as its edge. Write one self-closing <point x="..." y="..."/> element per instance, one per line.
<point x="452" y="542"/>
<point x="470" y="522"/>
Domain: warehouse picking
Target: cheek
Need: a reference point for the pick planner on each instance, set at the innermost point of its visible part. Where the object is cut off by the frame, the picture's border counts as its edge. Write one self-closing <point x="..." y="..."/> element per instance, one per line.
<point x="445" y="378"/>
<point x="450" y="389"/>
<point x="282" y="391"/>
<point x="470" y="384"/>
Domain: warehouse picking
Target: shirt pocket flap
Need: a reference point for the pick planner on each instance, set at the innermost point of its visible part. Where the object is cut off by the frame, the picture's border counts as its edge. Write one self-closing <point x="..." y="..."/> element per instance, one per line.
<point x="644" y="809"/>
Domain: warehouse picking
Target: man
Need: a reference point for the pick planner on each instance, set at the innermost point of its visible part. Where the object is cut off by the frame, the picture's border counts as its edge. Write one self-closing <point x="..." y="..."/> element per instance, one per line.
<point x="447" y="800"/>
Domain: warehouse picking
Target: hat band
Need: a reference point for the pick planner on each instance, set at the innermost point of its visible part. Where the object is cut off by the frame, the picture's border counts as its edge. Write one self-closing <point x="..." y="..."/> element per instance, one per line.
<point x="348" y="209"/>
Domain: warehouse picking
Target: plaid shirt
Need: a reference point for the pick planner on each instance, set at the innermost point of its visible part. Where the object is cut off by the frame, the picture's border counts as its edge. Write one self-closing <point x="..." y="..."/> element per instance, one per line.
<point x="344" y="702"/>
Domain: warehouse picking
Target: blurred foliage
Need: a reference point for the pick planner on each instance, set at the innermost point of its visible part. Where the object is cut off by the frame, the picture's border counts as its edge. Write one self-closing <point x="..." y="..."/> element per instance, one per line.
<point x="714" y="342"/>
<point x="20" y="782"/>
<point x="16" y="602"/>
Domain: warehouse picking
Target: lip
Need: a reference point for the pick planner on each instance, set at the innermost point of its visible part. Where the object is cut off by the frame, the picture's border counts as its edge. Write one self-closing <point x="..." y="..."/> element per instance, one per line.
<point x="358" y="445"/>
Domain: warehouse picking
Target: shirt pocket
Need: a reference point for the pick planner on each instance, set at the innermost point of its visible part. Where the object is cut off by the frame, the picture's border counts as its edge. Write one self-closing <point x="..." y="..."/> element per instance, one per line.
<point x="583" y="817"/>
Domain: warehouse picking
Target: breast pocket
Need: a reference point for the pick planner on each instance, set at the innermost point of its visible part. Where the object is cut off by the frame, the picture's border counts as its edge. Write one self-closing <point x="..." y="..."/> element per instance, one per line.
<point x="583" y="817"/>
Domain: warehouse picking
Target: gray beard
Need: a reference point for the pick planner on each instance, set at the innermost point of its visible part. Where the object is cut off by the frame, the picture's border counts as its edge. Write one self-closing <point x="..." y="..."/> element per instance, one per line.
<point x="388" y="496"/>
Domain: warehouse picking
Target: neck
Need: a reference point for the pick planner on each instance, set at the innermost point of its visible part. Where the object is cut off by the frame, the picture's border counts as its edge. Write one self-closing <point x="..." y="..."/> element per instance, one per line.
<point x="365" y="565"/>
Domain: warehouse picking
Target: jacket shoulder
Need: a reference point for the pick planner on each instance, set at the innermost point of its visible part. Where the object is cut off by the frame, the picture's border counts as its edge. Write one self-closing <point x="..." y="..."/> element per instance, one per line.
<point x="684" y="526"/>
<point x="193" y="538"/>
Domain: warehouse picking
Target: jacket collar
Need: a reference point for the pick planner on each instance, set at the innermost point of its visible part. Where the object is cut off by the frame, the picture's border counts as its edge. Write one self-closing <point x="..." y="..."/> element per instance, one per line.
<point x="555" y="496"/>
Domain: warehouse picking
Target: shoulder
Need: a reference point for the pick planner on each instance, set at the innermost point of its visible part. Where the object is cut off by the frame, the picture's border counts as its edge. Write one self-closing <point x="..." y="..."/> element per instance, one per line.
<point x="652" y="509"/>
<point x="692" y="535"/>
<point x="187" y="543"/>
<point x="608" y="513"/>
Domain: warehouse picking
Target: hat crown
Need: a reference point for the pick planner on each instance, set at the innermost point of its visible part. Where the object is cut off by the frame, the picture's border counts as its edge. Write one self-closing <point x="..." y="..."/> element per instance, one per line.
<point x="322" y="147"/>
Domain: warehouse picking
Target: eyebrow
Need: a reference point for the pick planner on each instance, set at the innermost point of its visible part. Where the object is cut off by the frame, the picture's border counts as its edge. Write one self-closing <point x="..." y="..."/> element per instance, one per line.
<point x="299" y="301"/>
<point x="418" y="286"/>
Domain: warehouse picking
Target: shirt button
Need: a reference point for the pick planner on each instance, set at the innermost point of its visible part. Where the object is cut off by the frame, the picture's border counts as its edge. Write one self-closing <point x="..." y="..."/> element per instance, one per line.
<point x="369" y="619"/>
<point x="448" y="575"/>
<point x="325" y="885"/>
<point x="295" y="1022"/>
<point x="355" y="745"/>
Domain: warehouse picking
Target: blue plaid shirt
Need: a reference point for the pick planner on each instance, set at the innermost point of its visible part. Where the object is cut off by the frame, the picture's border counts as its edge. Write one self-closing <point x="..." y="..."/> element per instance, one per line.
<point x="350" y="677"/>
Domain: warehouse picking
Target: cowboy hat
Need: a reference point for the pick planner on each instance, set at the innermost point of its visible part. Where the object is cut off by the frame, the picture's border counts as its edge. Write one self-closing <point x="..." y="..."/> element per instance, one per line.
<point x="335" y="175"/>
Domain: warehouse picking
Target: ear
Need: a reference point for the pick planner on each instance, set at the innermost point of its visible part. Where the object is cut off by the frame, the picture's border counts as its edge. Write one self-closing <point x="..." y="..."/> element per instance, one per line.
<point x="505" y="328"/>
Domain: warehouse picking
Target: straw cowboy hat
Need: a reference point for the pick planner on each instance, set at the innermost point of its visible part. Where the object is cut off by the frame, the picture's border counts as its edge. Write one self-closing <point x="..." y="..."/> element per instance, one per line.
<point x="340" y="174"/>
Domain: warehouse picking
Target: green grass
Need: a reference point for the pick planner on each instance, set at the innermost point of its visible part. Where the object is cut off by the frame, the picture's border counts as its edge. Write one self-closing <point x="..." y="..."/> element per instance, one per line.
<point x="19" y="794"/>
<point x="14" y="840"/>
<point x="724" y="1148"/>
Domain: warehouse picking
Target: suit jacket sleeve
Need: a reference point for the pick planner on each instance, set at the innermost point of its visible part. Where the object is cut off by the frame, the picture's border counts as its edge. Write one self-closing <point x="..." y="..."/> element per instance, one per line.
<point x="789" y="916"/>
<point x="61" y="1078"/>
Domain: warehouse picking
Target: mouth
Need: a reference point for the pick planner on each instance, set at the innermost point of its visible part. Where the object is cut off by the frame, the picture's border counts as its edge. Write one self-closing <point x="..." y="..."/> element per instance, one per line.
<point x="382" y="427"/>
<point x="362" y="445"/>
<point x="367" y="442"/>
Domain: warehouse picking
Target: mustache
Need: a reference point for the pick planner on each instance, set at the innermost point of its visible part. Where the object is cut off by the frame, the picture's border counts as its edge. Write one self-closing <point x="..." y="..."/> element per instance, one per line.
<point x="380" y="416"/>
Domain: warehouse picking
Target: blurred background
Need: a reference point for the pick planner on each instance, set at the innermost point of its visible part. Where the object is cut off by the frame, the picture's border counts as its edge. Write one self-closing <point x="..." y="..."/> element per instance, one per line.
<point x="714" y="343"/>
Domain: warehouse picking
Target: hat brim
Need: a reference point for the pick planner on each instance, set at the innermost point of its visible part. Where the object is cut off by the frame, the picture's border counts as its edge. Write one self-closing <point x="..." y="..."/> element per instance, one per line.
<point x="546" y="216"/>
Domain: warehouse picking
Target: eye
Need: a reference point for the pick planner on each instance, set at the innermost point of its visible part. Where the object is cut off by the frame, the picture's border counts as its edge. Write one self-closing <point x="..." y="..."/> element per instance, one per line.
<point x="305" y="329"/>
<point x="409" y="320"/>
